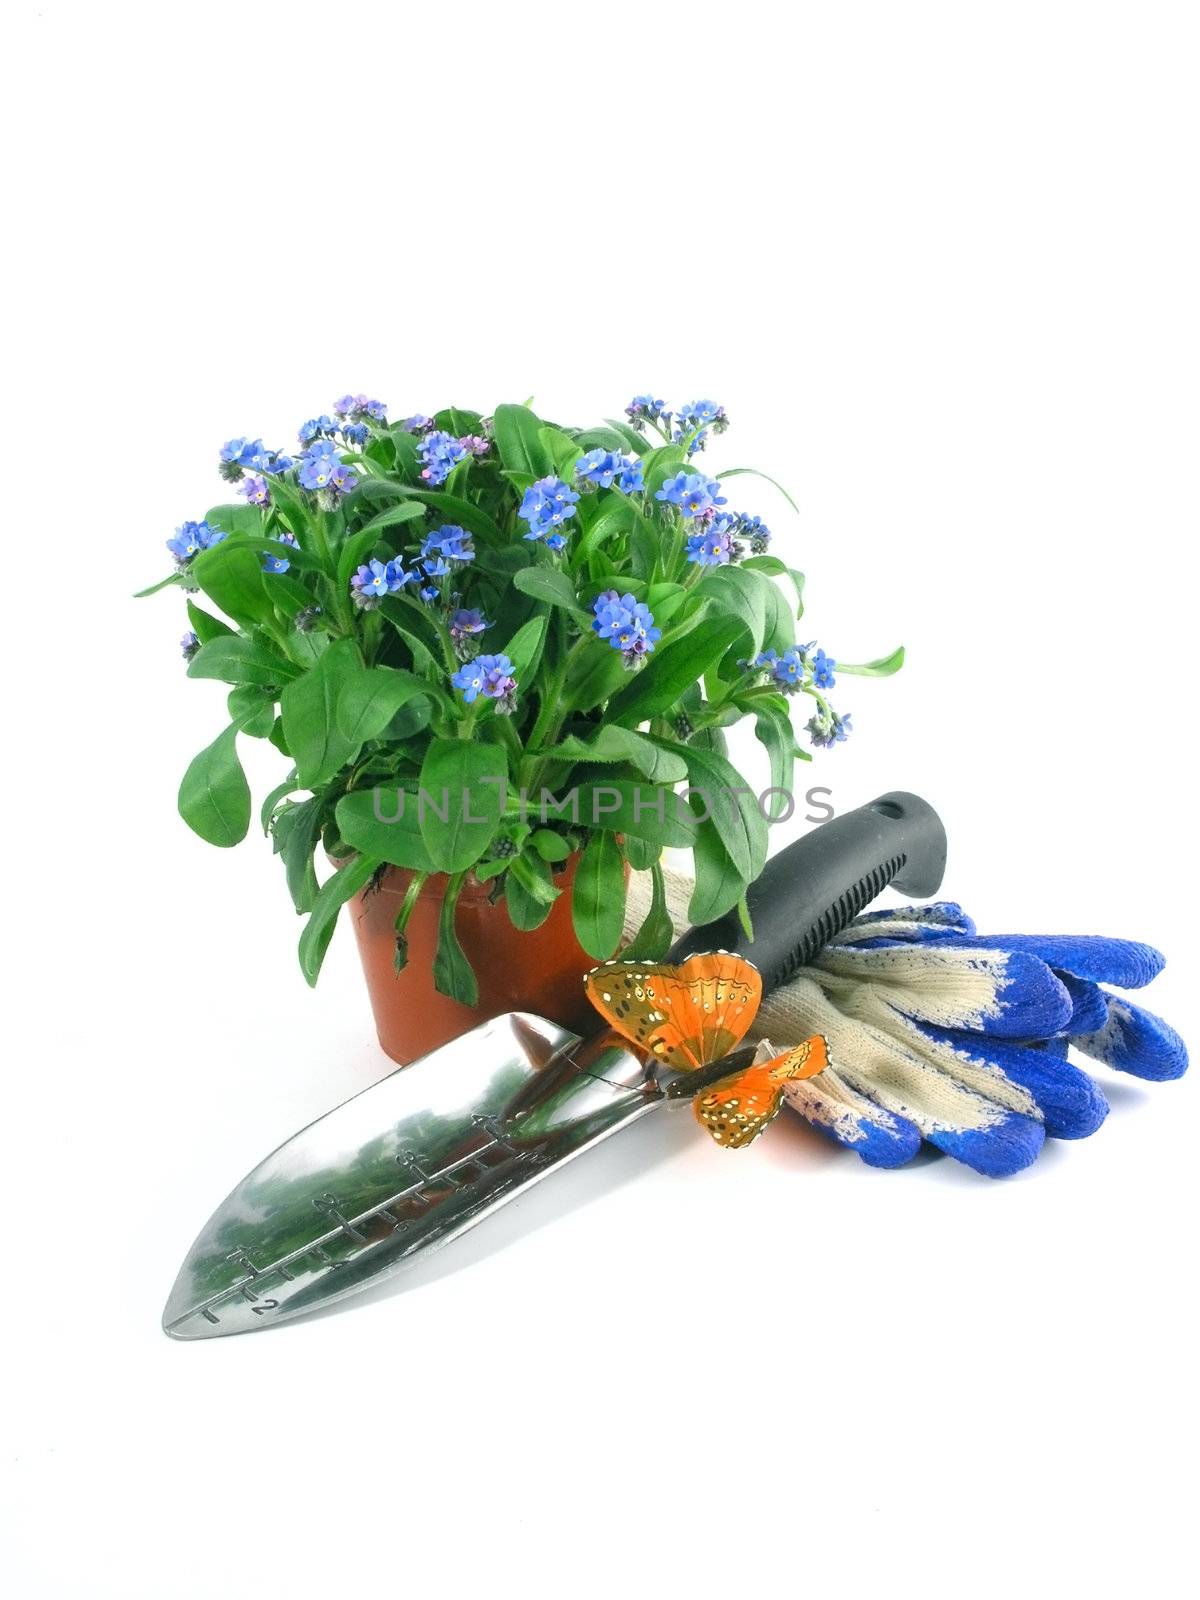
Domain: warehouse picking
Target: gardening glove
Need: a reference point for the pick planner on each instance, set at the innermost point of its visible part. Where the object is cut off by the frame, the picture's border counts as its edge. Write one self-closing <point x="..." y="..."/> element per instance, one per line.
<point x="937" y="1034"/>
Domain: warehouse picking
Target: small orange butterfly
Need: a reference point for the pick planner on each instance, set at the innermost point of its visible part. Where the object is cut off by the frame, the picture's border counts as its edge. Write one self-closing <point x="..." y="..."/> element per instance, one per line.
<point x="694" y="1014"/>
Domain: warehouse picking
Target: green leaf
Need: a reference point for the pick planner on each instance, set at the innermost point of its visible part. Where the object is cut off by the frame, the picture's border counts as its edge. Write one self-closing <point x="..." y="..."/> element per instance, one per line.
<point x="656" y="935"/>
<point x="214" y="797"/>
<point x="172" y="582"/>
<point x="232" y="659"/>
<point x="236" y="517"/>
<point x="737" y="472"/>
<point x="534" y="876"/>
<point x="773" y="729"/>
<point x="518" y="434"/>
<point x="383" y="822"/>
<point x="297" y="828"/>
<point x="309" y="705"/>
<point x="779" y="569"/>
<point x="204" y="625"/>
<point x="232" y="578"/>
<point x="369" y="699"/>
<point x="452" y="973"/>
<point x="463" y="786"/>
<point x="527" y="911"/>
<point x="598" y="897"/>
<point x="633" y="439"/>
<point x="674" y="667"/>
<point x="613" y="744"/>
<point x="643" y="810"/>
<point x="780" y="633"/>
<point x="405" y="511"/>
<point x="331" y="897"/>
<point x="524" y="650"/>
<point x="883" y="668"/>
<point x="593" y="676"/>
<point x="641" y="854"/>
<point x="271" y="804"/>
<point x="453" y="419"/>
<point x="553" y="586"/>
<point x="549" y="845"/>
<point x="735" y="815"/>
<point x="563" y="451"/>
<point x="741" y="594"/>
<point x="460" y="511"/>
<point x="719" y="885"/>
<point x="253" y="710"/>
<point x="262" y="544"/>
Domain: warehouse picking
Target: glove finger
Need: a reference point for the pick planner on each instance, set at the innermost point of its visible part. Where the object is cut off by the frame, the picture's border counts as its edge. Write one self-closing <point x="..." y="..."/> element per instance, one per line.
<point x="977" y="988"/>
<point x="1089" y="1007"/>
<point x="1121" y="961"/>
<point x="1071" y="1103"/>
<point x="943" y="919"/>
<point x="830" y="1105"/>
<point x="1135" y="1041"/>
<point x="983" y="1132"/>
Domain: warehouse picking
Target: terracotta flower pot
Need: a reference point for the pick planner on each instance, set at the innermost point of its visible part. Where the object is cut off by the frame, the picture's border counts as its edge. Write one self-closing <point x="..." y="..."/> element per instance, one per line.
<point x="541" y="971"/>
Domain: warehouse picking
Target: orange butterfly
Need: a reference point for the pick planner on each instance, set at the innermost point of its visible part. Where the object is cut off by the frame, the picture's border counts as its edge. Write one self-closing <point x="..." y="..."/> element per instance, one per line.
<point x="693" y="1015"/>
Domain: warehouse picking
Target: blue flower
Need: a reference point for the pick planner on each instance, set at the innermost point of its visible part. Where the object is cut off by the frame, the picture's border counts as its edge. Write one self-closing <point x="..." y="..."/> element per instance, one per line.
<point x="231" y="451"/>
<point x="546" y="505"/>
<point x="825" y="731"/>
<point x="437" y="568"/>
<point x="321" y="427"/>
<point x="277" y="462"/>
<point x="627" y="624"/>
<point x="712" y="547"/>
<point x="491" y="676"/>
<point x="398" y="578"/>
<point x="696" y="419"/>
<point x="189" y="645"/>
<point x="417" y="424"/>
<point x="788" y="671"/>
<point x="191" y="538"/>
<point x="279" y="563"/>
<point x="319" y="464"/>
<point x="632" y="479"/>
<point x="822" y="670"/>
<point x="440" y="453"/>
<point x="755" y="531"/>
<point x="357" y="406"/>
<point x="255" y="489"/>
<point x="466" y="625"/>
<point x="240" y="455"/>
<point x="374" y="581"/>
<point x="344" y="478"/>
<point x="600" y="467"/>
<point x="696" y="496"/>
<point x="643" y="408"/>
<point x="451" y="542"/>
<point x="356" y="433"/>
<point x="702" y="414"/>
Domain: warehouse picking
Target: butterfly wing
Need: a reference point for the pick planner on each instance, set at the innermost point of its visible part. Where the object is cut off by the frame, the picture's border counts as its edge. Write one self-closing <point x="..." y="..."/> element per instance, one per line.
<point x="737" y="1109"/>
<point x="683" y="1016"/>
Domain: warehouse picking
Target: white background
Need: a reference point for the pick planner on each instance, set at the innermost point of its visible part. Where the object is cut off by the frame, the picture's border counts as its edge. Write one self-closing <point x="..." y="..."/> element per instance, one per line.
<point x="940" y="264"/>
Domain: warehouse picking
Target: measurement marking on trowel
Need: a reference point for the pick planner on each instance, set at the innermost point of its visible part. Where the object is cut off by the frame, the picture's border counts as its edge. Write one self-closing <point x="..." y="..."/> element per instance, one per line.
<point x="349" y="1227"/>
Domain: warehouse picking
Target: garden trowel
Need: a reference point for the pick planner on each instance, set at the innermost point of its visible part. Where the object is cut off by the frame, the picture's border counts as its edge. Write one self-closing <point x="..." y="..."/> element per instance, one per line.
<point x="430" y="1150"/>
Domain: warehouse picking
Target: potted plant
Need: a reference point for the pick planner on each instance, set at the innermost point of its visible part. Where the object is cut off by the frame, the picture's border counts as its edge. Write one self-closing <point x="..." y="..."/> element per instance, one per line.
<point x="492" y="652"/>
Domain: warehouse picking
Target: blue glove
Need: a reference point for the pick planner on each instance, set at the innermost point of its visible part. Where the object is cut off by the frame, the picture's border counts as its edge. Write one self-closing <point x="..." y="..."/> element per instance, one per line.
<point x="936" y="1033"/>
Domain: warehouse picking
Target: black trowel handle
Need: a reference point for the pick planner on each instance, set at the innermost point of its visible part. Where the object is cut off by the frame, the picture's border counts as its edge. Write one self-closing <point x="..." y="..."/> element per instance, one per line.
<point x="813" y="889"/>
